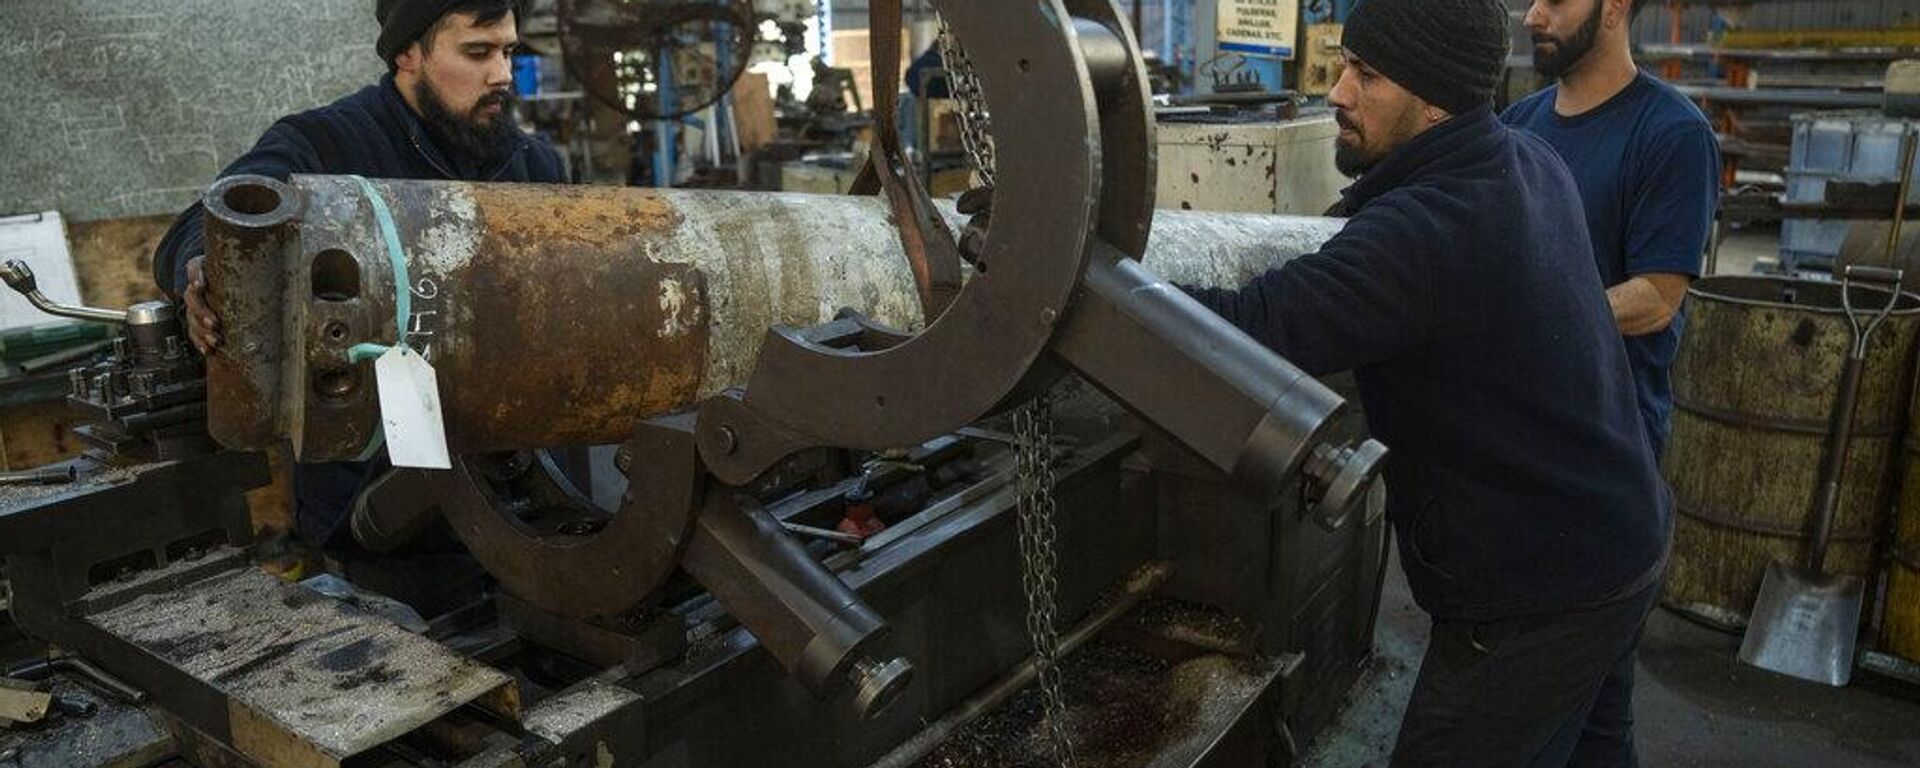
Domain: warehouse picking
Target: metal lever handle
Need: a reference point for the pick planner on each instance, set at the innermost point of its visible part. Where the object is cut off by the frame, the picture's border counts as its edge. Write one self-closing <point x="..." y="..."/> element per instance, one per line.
<point x="1840" y="424"/>
<point x="19" y="277"/>
<point x="1881" y="275"/>
<point x="1909" y="144"/>
<point x="1891" y="279"/>
<point x="46" y="476"/>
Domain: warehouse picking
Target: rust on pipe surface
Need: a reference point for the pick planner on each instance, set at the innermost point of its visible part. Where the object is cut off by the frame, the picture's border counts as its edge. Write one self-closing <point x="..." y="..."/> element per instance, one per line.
<point x="565" y="315"/>
<point x="247" y="220"/>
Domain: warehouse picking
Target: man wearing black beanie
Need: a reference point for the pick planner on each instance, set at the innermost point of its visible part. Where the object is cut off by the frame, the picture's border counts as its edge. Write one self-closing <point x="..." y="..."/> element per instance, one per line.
<point x="1532" y="521"/>
<point x="443" y="111"/>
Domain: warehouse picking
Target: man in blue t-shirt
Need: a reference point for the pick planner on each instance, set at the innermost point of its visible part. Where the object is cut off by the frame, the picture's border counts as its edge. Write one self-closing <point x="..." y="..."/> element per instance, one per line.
<point x="1648" y="168"/>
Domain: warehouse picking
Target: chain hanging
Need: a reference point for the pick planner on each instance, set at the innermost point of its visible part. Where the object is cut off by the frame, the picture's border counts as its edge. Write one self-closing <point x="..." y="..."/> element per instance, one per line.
<point x="975" y="124"/>
<point x="1033" y="437"/>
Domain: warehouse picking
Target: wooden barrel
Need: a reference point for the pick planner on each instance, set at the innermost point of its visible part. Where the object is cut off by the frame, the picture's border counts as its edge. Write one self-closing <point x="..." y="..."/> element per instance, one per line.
<point x="1754" y="386"/>
<point x="1900" y="622"/>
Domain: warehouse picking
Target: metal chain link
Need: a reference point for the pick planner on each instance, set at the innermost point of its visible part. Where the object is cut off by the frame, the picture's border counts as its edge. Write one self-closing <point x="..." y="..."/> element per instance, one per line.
<point x="975" y="124"/>
<point x="1033" y="433"/>
<point x="1033" y="437"/>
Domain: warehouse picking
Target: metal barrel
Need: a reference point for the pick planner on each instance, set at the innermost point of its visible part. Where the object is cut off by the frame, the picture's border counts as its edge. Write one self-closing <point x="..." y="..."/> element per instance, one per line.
<point x="564" y="315"/>
<point x="1900" y="620"/>
<point x="1754" y="386"/>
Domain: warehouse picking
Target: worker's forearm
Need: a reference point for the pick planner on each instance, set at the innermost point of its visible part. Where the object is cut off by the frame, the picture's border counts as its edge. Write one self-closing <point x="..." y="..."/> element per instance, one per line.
<point x="183" y="241"/>
<point x="1640" y="307"/>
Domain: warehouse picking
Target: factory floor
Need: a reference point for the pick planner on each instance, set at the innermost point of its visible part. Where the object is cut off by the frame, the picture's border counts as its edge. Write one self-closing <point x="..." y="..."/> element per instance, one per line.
<point x="1696" y="705"/>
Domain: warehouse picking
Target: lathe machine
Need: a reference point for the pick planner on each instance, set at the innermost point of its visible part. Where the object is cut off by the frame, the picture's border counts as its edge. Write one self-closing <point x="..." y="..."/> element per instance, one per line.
<point x="844" y="534"/>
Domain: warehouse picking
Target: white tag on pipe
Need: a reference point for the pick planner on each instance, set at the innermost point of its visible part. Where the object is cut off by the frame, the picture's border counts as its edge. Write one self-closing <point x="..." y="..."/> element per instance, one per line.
<point x="410" y="410"/>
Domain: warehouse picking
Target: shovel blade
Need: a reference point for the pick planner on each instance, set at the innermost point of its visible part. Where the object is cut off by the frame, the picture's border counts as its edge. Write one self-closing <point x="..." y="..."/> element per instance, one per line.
<point x="1805" y="625"/>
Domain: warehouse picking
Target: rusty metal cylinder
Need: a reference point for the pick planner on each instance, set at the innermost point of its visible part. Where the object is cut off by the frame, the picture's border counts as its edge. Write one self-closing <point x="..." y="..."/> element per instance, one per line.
<point x="565" y="315"/>
<point x="248" y="220"/>
<point x="1754" y="387"/>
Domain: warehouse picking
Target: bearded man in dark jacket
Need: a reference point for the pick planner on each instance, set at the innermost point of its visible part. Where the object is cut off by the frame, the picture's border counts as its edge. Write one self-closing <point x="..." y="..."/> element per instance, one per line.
<point x="1533" y="524"/>
<point x="444" y="110"/>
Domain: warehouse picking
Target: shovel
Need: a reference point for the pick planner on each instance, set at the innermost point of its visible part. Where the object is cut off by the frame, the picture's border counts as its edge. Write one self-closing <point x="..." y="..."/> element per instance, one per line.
<point x="1805" y="622"/>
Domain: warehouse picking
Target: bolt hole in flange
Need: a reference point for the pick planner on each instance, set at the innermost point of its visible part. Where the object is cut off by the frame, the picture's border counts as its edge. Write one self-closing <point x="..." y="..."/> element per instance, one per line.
<point x="336" y="276"/>
<point x="336" y="332"/>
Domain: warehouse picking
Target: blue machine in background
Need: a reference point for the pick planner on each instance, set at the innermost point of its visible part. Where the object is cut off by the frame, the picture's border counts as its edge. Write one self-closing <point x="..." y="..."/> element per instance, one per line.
<point x="526" y="74"/>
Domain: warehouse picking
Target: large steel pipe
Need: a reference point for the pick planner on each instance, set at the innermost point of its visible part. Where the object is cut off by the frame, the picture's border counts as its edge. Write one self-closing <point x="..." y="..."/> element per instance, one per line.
<point x="563" y="315"/>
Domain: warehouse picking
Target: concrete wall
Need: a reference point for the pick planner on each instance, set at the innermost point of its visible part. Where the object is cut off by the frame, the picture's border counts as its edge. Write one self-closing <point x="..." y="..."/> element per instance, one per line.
<point x="119" y="108"/>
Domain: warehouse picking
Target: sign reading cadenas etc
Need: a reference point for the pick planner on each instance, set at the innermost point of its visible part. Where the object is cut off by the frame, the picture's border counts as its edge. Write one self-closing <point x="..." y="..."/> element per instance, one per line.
<point x="1259" y="27"/>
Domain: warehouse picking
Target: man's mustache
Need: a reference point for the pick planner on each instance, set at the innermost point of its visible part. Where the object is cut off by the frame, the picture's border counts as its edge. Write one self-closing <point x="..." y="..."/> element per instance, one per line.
<point x="1540" y="40"/>
<point x="501" y="98"/>
<point x="1346" y="122"/>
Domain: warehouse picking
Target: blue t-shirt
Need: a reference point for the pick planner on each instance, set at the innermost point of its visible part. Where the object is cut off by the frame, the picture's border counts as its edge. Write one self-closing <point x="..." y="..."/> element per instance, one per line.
<point x="1648" y="168"/>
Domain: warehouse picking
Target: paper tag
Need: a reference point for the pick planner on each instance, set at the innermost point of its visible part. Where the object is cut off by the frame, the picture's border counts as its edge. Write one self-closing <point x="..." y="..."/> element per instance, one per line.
<point x="410" y="410"/>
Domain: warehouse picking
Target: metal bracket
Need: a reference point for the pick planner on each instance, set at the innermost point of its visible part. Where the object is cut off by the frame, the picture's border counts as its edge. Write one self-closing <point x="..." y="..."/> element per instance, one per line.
<point x="973" y="360"/>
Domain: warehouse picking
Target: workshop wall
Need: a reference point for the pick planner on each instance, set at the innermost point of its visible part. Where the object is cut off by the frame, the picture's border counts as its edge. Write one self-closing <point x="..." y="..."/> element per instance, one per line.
<point x="118" y="108"/>
<point x="119" y="112"/>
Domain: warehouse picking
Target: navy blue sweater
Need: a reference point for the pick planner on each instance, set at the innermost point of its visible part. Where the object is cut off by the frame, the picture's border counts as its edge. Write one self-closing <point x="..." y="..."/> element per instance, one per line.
<point x="370" y="133"/>
<point x="1463" y="296"/>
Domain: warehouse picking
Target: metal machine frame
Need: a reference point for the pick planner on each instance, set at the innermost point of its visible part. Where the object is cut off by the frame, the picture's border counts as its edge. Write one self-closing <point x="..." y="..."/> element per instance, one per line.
<point x="1065" y="293"/>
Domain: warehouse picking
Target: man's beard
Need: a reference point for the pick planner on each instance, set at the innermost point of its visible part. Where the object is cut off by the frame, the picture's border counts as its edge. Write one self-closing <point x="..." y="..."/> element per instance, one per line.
<point x="471" y="136"/>
<point x="1351" y="160"/>
<point x="1355" y="160"/>
<point x="1567" y="53"/>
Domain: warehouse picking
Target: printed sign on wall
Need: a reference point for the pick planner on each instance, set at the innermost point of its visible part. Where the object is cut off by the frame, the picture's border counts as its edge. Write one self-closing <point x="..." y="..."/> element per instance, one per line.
<point x="1259" y="27"/>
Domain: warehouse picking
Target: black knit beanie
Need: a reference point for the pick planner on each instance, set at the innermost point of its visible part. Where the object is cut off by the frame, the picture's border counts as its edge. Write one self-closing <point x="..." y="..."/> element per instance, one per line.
<point x="404" y="21"/>
<point x="1448" y="52"/>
